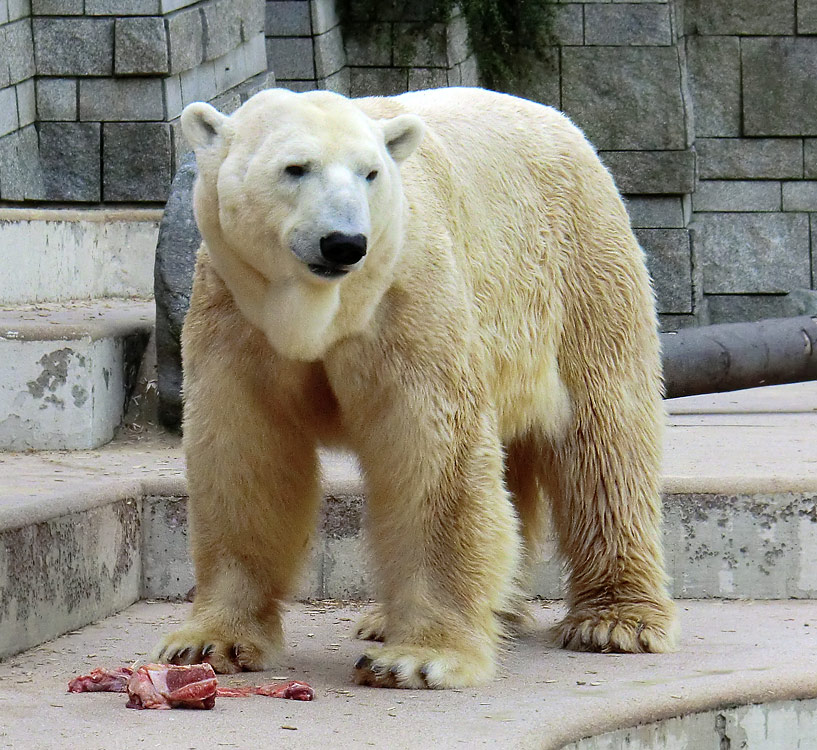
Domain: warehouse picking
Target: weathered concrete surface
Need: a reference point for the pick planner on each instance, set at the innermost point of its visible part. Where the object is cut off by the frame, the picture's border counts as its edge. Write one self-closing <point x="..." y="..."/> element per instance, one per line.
<point x="732" y="653"/>
<point x="757" y="440"/>
<point x="68" y="571"/>
<point x="51" y="255"/>
<point x="66" y="372"/>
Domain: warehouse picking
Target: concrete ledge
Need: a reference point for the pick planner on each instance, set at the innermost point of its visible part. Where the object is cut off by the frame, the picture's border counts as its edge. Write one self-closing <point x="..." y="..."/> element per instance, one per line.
<point x="716" y="546"/>
<point x="63" y="573"/>
<point x="62" y="254"/>
<point x="67" y="371"/>
<point x="764" y="726"/>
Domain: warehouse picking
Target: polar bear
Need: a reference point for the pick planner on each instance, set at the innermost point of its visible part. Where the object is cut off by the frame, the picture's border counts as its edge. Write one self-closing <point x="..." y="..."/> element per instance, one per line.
<point x="446" y="283"/>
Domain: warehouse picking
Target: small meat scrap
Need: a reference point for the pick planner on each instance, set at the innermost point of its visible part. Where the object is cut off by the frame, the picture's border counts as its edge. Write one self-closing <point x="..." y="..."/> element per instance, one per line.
<point x="102" y="681"/>
<point x="164" y="686"/>
<point x="292" y="690"/>
<point x="296" y="691"/>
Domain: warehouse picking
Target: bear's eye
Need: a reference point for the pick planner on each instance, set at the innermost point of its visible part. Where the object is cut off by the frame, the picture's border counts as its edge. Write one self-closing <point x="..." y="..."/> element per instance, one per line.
<point x="296" y="170"/>
<point x="371" y="176"/>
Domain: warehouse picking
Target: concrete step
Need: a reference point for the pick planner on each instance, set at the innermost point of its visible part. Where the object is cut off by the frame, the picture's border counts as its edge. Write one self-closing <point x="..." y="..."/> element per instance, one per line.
<point x="86" y="533"/>
<point x="745" y="676"/>
<point x="53" y="255"/>
<point x="67" y="370"/>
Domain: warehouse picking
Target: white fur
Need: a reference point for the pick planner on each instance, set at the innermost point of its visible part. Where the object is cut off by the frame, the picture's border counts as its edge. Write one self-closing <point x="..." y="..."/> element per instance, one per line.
<point x="492" y="356"/>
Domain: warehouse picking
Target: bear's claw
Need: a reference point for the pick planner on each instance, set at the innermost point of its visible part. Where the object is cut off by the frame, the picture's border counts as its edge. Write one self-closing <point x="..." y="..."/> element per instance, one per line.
<point x="630" y="628"/>
<point x="417" y="667"/>
<point x="225" y="655"/>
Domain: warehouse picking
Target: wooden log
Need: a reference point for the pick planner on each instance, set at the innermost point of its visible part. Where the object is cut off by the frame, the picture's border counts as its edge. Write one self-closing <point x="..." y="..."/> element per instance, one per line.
<point x="733" y="356"/>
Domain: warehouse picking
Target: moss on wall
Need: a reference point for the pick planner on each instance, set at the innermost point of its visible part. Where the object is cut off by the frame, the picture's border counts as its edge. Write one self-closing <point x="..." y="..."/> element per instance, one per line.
<point x="505" y="35"/>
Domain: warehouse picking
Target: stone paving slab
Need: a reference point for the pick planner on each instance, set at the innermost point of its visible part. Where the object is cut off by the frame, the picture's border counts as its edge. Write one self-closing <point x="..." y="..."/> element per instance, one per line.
<point x="731" y="654"/>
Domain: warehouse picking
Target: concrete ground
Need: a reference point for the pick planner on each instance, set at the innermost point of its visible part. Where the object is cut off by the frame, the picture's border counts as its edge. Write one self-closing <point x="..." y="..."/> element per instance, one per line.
<point x="732" y="653"/>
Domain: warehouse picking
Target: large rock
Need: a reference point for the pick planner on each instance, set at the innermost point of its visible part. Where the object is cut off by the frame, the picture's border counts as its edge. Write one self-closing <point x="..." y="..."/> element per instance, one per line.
<point x="179" y="241"/>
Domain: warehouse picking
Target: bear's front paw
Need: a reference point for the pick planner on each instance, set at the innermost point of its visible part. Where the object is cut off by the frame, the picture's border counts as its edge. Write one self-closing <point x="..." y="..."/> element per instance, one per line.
<point x="372" y="625"/>
<point x="227" y="655"/>
<point x="619" y="628"/>
<point x="422" y="667"/>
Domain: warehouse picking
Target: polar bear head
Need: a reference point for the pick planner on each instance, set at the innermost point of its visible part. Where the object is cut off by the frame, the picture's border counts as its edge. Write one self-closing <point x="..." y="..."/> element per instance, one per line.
<point x="297" y="193"/>
<point x="299" y="179"/>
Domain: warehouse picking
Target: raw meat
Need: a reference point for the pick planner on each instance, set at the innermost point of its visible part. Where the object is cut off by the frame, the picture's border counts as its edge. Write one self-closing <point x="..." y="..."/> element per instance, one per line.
<point x="164" y="686"/>
<point x="102" y="681"/>
<point x="297" y="691"/>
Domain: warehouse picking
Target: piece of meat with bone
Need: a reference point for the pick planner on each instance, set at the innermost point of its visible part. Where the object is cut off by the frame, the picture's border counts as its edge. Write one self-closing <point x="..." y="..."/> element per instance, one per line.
<point x="292" y="690"/>
<point x="164" y="686"/>
<point x="102" y="681"/>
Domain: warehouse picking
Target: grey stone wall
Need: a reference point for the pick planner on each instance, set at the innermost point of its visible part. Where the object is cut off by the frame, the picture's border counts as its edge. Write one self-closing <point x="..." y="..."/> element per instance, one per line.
<point x="705" y="111"/>
<point x="91" y="90"/>
<point x="20" y="176"/>
<point x="305" y="45"/>
<point x="618" y="71"/>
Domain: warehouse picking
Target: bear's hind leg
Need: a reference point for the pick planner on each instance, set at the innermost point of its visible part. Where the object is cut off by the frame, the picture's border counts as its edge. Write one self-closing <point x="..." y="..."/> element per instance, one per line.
<point x="525" y="461"/>
<point x="607" y="512"/>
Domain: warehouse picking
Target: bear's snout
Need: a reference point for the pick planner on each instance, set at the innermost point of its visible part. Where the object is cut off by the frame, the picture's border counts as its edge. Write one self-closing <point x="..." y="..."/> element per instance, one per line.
<point x="343" y="249"/>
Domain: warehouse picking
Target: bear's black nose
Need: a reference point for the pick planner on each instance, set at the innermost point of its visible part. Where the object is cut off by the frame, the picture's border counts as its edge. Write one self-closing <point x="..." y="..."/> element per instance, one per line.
<point x="343" y="249"/>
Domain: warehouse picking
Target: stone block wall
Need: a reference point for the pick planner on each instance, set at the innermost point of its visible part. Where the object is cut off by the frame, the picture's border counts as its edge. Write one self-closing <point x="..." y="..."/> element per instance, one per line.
<point x="392" y="47"/>
<point x="99" y="86"/>
<point x="305" y="45"/>
<point x="753" y="83"/>
<point x="20" y="176"/>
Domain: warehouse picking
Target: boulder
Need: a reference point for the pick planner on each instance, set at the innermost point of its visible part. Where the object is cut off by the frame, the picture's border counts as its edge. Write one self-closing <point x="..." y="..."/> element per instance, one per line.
<point x="179" y="241"/>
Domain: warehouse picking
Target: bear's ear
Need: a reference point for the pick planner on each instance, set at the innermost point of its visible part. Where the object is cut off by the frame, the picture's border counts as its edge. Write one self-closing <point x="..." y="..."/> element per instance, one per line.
<point x="403" y="134"/>
<point x="202" y="125"/>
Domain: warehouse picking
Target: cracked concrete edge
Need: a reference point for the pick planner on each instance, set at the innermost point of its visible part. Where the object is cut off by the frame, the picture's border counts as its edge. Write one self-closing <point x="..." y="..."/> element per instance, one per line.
<point x="68" y="571"/>
<point x="751" y="691"/>
<point x="738" y="485"/>
<point x="94" y="495"/>
<point x="122" y="318"/>
<point x="769" y="724"/>
<point x="100" y="215"/>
